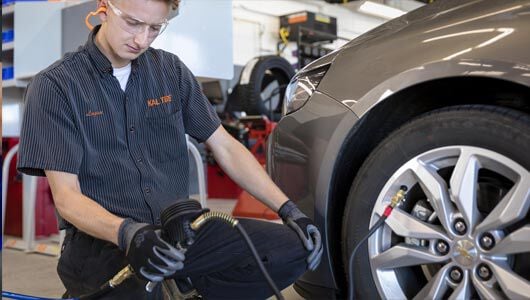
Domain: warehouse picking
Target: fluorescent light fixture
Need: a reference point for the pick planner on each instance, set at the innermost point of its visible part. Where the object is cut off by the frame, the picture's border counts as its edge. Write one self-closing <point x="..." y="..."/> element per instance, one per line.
<point x="380" y="10"/>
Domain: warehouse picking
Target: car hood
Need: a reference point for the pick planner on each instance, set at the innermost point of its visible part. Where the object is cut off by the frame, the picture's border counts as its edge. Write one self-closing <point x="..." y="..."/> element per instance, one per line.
<point x="442" y="35"/>
<point x="391" y="27"/>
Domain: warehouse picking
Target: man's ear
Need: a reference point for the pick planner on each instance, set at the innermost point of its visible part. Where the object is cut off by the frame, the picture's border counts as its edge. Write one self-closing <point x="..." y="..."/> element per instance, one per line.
<point x="101" y="11"/>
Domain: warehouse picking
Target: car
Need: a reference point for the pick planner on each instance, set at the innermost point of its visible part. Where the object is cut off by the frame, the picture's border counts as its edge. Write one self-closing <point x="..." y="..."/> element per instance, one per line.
<point x="437" y="100"/>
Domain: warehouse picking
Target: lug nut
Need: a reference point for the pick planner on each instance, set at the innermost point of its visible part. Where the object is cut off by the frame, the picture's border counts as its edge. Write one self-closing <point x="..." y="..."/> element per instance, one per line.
<point x="484" y="272"/>
<point x="456" y="274"/>
<point x="442" y="247"/>
<point x="487" y="241"/>
<point x="460" y="226"/>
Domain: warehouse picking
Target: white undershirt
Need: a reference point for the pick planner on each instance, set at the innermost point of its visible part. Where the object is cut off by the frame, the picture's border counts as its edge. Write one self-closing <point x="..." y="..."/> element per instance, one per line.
<point x="122" y="74"/>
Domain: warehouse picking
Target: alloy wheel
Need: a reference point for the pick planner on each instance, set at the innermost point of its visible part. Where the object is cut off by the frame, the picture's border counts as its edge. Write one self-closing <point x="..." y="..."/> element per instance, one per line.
<point x="464" y="230"/>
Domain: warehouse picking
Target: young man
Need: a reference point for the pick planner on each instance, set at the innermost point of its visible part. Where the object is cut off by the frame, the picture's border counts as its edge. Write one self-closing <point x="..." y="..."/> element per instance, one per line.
<point x="106" y="125"/>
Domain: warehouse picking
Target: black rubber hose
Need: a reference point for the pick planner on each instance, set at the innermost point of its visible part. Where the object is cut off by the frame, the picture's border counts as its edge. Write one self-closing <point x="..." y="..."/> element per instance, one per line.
<point x="351" y="287"/>
<point x="271" y="283"/>
<point x="97" y="294"/>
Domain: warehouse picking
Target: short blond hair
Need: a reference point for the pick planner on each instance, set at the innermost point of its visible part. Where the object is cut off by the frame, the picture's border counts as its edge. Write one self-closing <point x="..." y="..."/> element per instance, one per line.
<point x="174" y="4"/>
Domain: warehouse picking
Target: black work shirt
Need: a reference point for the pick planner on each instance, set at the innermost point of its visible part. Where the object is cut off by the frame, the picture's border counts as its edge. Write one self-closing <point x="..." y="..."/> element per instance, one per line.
<point x="128" y="148"/>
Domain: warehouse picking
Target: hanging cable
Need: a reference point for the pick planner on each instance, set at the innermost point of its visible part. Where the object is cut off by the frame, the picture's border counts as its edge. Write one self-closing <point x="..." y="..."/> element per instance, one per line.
<point x="396" y="199"/>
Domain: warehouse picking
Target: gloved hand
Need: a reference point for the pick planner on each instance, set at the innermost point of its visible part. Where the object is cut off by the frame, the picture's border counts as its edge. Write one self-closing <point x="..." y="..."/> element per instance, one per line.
<point x="306" y="230"/>
<point x="151" y="258"/>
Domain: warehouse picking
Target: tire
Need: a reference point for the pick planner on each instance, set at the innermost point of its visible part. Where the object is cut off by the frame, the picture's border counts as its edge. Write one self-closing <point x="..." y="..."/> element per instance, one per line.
<point x="257" y="75"/>
<point x="486" y="129"/>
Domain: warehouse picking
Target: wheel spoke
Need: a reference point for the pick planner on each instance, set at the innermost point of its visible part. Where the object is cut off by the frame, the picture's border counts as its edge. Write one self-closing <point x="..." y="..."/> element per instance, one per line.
<point x="514" y="286"/>
<point x="512" y="208"/>
<point x="517" y="242"/>
<point x="463" y="290"/>
<point x="485" y="292"/>
<point x="403" y="256"/>
<point x="436" y="287"/>
<point x="463" y="185"/>
<point x="436" y="189"/>
<point x="405" y="225"/>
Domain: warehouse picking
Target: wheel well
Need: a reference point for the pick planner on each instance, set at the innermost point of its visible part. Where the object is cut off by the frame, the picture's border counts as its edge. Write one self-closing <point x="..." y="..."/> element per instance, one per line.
<point x="392" y="113"/>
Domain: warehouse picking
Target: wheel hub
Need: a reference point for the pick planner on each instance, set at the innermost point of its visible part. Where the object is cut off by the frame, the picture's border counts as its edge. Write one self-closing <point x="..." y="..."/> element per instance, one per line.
<point x="465" y="253"/>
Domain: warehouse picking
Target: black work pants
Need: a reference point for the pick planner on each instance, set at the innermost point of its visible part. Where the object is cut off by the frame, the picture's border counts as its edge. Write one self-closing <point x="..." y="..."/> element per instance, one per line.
<point x="219" y="263"/>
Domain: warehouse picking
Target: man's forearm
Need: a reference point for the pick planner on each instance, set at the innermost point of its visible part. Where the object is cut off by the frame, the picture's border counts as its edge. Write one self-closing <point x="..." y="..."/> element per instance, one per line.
<point x="246" y="171"/>
<point x="90" y="217"/>
<point x="84" y="213"/>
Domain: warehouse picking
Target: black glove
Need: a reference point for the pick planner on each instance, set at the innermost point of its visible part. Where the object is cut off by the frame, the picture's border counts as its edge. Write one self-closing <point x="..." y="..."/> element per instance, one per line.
<point x="306" y="230"/>
<point x="150" y="257"/>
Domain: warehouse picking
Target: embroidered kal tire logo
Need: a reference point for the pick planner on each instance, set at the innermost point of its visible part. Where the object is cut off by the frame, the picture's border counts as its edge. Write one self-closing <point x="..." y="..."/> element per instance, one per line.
<point x="156" y="102"/>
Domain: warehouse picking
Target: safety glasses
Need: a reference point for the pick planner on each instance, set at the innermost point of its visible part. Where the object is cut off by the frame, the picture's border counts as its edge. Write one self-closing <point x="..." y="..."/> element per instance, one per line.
<point x="135" y="26"/>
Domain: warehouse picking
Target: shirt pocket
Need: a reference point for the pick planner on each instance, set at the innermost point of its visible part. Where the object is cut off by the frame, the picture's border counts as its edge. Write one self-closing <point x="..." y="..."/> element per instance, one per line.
<point x="166" y="137"/>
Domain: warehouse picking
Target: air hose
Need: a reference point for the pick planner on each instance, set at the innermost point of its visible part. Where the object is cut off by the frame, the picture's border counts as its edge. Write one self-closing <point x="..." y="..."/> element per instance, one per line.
<point x="396" y="199"/>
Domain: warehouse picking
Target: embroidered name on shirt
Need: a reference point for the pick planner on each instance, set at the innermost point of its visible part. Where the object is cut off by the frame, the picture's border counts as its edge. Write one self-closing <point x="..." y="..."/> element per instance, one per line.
<point x="93" y="113"/>
<point x="157" y="102"/>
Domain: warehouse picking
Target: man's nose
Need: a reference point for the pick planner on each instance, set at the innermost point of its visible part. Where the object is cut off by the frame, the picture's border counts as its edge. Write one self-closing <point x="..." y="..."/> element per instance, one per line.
<point x="142" y="38"/>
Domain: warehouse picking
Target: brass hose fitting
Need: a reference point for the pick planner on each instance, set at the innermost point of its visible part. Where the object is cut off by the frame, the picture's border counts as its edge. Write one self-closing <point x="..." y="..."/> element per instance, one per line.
<point x="398" y="197"/>
<point x="121" y="276"/>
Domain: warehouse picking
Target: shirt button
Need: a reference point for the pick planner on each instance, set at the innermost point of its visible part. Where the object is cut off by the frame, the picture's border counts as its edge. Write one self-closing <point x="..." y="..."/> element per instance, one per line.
<point x="147" y="190"/>
<point x="139" y="160"/>
<point x="132" y="129"/>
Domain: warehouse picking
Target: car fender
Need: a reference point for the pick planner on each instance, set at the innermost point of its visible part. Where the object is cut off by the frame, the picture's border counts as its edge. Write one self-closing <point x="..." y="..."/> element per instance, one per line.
<point x="500" y="70"/>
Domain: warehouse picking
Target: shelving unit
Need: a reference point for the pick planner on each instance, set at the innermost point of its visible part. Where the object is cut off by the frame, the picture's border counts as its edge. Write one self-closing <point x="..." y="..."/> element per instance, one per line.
<point x="31" y="50"/>
<point x="8" y="9"/>
<point x="8" y="46"/>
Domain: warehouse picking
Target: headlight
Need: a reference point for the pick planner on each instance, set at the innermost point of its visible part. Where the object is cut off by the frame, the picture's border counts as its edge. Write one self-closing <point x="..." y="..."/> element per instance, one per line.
<point x="301" y="88"/>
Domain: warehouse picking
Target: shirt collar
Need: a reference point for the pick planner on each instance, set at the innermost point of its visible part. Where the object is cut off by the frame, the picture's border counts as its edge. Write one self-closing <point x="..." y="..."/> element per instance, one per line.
<point x="101" y="62"/>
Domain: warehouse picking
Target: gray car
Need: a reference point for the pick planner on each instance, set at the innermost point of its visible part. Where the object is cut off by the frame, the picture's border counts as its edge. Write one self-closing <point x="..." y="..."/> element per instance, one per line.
<point x="437" y="100"/>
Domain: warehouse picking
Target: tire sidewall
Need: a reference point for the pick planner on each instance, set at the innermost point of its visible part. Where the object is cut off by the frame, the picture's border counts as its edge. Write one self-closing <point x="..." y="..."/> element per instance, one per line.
<point x="282" y="67"/>
<point x="501" y="130"/>
<point x="247" y="96"/>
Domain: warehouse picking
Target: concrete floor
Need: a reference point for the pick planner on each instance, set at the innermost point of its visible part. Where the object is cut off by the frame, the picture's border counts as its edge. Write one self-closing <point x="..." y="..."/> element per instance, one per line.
<point x="35" y="274"/>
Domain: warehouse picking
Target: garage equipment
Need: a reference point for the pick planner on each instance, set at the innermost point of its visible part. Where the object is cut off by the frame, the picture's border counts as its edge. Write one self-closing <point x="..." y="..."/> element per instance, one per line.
<point x="251" y="131"/>
<point x="310" y="31"/>
<point x="321" y="27"/>
<point x="258" y="129"/>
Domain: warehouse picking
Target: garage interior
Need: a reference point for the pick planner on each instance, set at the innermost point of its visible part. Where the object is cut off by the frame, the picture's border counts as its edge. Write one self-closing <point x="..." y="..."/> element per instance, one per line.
<point x="246" y="55"/>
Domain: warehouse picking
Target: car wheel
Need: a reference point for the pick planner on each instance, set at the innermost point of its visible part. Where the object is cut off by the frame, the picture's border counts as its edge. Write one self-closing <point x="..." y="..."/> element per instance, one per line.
<point x="464" y="228"/>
